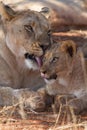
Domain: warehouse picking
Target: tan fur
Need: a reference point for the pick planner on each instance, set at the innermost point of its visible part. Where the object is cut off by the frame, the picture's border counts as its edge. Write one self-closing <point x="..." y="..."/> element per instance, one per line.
<point x="68" y="66"/>
<point x="19" y="39"/>
<point x="5" y="12"/>
<point x="29" y="100"/>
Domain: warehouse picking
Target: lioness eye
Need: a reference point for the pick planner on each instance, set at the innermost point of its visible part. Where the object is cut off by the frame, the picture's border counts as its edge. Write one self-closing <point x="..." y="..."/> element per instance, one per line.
<point x="28" y="28"/>
<point x="49" y="32"/>
<point x="55" y="59"/>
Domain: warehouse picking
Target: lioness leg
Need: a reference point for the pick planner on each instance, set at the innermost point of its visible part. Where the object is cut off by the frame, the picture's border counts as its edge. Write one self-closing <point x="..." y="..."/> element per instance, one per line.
<point x="29" y="99"/>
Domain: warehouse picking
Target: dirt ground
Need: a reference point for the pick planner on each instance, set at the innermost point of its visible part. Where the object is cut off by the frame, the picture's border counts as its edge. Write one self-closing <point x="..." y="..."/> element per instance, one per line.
<point x="11" y="119"/>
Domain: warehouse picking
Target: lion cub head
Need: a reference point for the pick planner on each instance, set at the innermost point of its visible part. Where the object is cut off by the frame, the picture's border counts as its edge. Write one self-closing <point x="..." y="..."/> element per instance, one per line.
<point x="27" y="34"/>
<point x="57" y="61"/>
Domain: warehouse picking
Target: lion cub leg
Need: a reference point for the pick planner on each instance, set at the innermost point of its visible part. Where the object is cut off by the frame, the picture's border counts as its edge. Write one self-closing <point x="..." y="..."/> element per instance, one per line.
<point x="62" y="101"/>
<point x="79" y="104"/>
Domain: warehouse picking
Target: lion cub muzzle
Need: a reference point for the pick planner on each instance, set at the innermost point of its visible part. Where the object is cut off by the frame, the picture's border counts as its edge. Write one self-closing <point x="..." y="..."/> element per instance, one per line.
<point x="50" y="77"/>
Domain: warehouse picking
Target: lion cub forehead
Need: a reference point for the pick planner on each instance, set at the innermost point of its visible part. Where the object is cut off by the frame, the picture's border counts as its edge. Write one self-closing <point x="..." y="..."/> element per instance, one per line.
<point x="54" y="50"/>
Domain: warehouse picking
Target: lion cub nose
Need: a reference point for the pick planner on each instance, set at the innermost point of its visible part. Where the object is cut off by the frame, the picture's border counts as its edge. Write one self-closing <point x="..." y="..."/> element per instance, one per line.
<point x="43" y="72"/>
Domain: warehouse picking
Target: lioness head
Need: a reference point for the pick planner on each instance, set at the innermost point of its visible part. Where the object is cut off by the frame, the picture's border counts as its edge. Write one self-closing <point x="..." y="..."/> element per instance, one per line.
<point x="27" y="33"/>
<point x="58" y="60"/>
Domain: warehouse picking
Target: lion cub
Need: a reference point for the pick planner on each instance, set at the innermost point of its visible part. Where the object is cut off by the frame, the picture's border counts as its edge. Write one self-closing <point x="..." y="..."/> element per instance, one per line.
<point x="65" y="73"/>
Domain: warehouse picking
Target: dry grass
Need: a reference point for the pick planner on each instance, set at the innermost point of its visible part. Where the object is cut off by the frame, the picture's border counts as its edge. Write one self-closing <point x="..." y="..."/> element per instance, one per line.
<point x="69" y="121"/>
<point x="65" y="119"/>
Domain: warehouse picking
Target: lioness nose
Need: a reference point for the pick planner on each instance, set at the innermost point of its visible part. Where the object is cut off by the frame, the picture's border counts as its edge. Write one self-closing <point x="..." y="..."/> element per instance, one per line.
<point x="26" y="55"/>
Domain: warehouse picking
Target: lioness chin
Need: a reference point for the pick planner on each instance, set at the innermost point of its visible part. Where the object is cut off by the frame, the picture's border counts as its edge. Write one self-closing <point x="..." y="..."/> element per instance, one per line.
<point x="65" y="74"/>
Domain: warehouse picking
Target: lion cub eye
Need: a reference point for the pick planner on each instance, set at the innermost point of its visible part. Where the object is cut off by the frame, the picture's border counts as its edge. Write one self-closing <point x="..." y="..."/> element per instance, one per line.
<point x="28" y="28"/>
<point x="55" y="59"/>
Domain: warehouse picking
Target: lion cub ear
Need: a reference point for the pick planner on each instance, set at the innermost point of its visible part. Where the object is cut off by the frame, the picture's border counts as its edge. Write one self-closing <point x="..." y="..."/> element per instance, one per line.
<point x="6" y="12"/>
<point x="69" y="47"/>
<point x="45" y="11"/>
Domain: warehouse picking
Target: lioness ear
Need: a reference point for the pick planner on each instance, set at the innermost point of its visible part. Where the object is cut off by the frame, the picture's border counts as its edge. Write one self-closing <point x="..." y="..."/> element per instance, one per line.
<point x="69" y="47"/>
<point x="6" y="12"/>
<point x="45" y="11"/>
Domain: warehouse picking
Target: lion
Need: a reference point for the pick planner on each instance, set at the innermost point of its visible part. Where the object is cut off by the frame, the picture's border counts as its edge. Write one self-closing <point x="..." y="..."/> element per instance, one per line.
<point x="64" y="71"/>
<point x="26" y="35"/>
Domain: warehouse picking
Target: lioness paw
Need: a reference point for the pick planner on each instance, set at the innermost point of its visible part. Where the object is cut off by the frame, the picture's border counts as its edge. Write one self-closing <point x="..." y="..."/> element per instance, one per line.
<point x="35" y="102"/>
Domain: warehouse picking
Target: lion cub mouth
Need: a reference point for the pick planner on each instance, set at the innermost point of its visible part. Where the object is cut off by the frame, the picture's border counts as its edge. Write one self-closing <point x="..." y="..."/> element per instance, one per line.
<point x="33" y="58"/>
<point x="46" y="77"/>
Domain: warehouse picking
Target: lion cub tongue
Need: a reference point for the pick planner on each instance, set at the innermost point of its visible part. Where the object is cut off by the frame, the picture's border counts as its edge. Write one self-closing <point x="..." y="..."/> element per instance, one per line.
<point x="38" y="59"/>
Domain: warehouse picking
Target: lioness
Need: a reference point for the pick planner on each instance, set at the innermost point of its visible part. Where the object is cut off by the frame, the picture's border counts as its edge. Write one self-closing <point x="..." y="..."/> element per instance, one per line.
<point x="26" y="33"/>
<point x="65" y="73"/>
